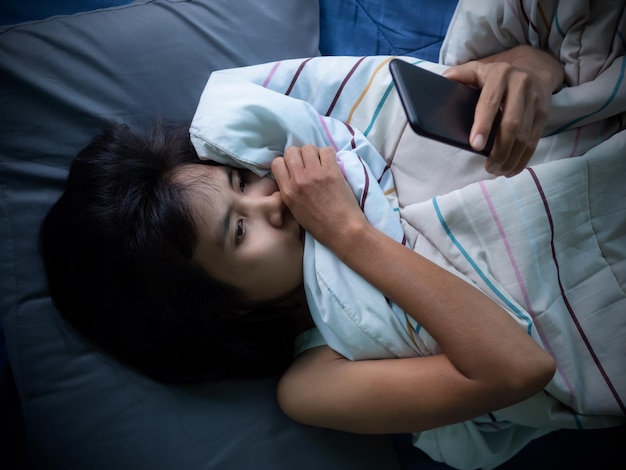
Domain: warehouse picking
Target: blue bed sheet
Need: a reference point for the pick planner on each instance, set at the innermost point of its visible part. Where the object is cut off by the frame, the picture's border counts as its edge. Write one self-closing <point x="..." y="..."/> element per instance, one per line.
<point x="356" y="27"/>
<point x="19" y="11"/>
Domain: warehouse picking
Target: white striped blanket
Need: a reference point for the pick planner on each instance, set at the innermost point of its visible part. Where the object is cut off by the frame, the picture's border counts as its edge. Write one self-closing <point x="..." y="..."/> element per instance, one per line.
<point x="548" y="245"/>
<point x="248" y="116"/>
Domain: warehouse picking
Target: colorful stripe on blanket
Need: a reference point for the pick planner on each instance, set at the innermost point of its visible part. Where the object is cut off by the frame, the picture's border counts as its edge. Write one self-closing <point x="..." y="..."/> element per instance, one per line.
<point x="246" y="117"/>
<point x="523" y="241"/>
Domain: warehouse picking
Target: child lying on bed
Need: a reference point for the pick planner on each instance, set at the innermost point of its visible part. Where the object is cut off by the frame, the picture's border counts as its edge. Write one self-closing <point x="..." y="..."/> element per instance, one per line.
<point x="202" y="264"/>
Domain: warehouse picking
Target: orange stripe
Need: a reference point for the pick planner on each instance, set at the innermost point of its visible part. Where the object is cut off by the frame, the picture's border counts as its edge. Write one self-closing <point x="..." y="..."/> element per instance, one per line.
<point x="367" y="87"/>
<point x="410" y="329"/>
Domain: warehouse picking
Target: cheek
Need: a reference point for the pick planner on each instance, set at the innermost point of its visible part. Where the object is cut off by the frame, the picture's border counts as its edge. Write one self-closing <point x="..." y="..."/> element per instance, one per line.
<point x="283" y="261"/>
<point x="280" y="268"/>
<point x="270" y="275"/>
<point x="291" y="268"/>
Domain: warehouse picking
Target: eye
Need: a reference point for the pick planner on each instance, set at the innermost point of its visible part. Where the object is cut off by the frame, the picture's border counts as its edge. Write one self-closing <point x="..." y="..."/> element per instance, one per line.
<point x="241" y="177"/>
<point x="240" y="231"/>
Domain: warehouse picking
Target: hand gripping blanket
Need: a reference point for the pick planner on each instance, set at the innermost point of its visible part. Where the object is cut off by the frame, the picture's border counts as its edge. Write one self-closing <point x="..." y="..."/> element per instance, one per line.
<point x="547" y="245"/>
<point x="247" y="117"/>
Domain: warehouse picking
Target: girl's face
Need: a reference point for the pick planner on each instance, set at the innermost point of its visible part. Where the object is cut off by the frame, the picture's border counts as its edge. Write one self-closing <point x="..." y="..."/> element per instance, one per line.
<point x="247" y="238"/>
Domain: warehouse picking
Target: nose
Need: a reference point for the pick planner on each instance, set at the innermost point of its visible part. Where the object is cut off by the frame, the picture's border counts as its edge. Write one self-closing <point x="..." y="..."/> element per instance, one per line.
<point x="273" y="208"/>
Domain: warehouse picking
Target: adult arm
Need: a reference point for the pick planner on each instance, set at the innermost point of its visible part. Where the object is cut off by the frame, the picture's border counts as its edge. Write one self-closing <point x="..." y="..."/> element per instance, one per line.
<point x="489" y="362"/>
<point x="521" y="81"/>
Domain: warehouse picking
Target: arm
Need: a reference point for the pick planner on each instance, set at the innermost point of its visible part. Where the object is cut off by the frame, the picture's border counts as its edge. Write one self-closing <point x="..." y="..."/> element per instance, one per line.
<point x="521" y="80"/>
<point x="489" y="361"/>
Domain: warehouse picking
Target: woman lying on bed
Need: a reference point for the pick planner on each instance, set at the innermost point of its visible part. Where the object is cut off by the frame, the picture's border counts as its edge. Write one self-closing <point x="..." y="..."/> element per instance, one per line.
<point x="202" y="264"/>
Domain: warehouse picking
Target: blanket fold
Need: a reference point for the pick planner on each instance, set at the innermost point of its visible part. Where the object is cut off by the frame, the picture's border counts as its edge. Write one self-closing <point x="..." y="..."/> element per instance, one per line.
<point x="240" y="121"/>
<point x="537" y="244"/>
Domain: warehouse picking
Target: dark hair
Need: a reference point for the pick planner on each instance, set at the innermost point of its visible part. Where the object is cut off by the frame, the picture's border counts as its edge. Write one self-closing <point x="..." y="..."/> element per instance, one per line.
<point x="117" y="249"/>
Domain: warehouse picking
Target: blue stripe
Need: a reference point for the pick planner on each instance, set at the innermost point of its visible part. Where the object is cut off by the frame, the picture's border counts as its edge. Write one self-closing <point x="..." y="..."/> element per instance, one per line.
<point x="532" y="240"/>
<point x="378" y="108"/>
<point x="521" y="315"/>
<point x="382" y="102"/>
<point x="556" y="23"/>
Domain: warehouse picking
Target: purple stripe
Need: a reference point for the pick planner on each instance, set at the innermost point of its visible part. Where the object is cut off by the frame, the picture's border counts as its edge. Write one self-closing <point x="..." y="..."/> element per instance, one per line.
<point x="494" y="422"/>
<point x="271" y="74"/>
<point x="329" y="135"/>
<point x="367" y="185"/>
<point x="568" y="305"/>
<point x="351" y="131"/>
<point x="513" y="9"/>
<point x="507" y="246"/>
<point x="295" y="77"/>
<point x="343" y="84"/>
<point x="576" y="142"/>
<point x="522" y="286"/>
<point x="387" y="168"/>
<point x="523" y="10"/>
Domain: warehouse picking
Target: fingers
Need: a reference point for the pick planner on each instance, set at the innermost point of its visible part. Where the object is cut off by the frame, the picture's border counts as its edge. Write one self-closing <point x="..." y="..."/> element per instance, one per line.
<point x="478" y="75"/>
<point x="521" y="99"/>
<point x="513" y="132"/>
<point x="310" y="156"/>
<point x="524" y="115"/>
<point x="297" y="159"/>
<point x="307" y="155"/>
<point x="280" y="171"/>
<point x="468" y="73"/>
<point x="489" y="102"/>
<point x="524" y="104"/>
<point x="516" y="146"/>
<point x="327" y="156"/>
<point x="314" y="189"/>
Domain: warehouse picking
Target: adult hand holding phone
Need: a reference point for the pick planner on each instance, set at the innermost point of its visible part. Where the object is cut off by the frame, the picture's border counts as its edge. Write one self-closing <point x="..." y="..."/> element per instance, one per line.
<point x="439" y="108"/>
<point x="520" y="82"/>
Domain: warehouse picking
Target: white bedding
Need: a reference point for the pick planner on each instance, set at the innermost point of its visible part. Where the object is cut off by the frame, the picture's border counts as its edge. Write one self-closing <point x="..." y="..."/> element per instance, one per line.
<point x="549" y="245"/>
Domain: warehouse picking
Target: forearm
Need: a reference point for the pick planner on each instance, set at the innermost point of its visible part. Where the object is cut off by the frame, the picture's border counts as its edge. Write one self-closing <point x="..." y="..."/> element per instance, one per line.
<point x="383" y="396"/>
<point x="488" y="361"/>
<point x="480" y="339"/>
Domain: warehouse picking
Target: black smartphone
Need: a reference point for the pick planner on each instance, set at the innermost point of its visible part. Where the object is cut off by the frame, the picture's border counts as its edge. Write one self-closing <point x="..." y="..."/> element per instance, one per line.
<point x="437" y="107"/>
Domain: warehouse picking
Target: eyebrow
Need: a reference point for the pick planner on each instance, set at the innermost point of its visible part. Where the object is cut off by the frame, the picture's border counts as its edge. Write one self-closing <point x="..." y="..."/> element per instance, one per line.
<point x="225" y="222"/>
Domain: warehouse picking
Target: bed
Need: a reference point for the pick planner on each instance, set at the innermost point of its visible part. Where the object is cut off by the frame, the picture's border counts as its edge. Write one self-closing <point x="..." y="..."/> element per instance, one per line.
<point x="61" y="78"/>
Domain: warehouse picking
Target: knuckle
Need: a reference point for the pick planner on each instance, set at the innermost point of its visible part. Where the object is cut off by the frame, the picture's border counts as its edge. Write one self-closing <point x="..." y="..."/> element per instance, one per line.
<point x="307" y="149"/>
<point x="507" y="70"/>
<point x="541" y="115"/>
<point x="522" y="140"/>
<point x="492" y="99"/>
<point x="510" y="124"/>
<point x="524" y="78"/>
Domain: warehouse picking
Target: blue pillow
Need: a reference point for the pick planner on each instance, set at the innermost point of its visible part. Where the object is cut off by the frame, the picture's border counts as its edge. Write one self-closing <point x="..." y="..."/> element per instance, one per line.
<point x="19" y="11"/>
<point x="367" y="27"/>
<point x="61" y="80"/>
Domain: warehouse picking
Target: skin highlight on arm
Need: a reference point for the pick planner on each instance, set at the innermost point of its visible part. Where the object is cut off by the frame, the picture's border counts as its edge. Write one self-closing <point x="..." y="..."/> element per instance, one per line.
<point x="489" y="362"/>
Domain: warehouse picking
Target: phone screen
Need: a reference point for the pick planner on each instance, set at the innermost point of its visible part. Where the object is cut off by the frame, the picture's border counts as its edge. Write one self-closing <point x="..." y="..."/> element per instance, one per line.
<point x="437" y="107"/>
